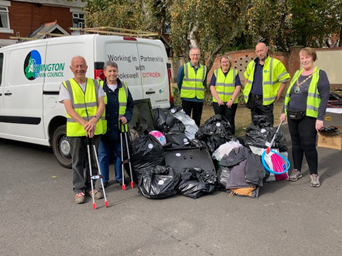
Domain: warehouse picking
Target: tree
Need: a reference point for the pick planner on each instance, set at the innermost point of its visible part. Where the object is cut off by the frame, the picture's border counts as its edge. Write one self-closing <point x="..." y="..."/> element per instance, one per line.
<point x="216" y="25"/>
<point x="114" y="13"/>
<point x="210" y="25"/>
<point x="315" y="20"/>
<point x="294" y="22"/>
<point x="269" y="21"/>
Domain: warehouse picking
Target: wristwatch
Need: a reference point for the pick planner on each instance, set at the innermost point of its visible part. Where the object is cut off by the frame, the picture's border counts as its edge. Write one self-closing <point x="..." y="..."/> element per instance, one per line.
<point x="98" y="118"/>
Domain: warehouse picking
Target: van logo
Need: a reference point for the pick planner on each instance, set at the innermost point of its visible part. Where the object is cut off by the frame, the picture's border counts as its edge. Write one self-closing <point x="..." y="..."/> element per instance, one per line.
<point x="34" y="68"/>
<point x="32" y="60"/>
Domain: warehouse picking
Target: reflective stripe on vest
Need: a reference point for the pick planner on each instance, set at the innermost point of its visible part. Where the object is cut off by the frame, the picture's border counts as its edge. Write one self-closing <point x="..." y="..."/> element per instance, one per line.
<point x="192" y="85"/>
<point x="270" y="84"/>
<point x="84" y="104"/>
<point x="313" y="100"/>
<point x="225" y="85"/>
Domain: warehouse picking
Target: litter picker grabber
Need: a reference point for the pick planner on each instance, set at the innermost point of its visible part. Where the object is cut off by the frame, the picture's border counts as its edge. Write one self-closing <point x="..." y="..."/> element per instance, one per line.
<point x="95" y="177"/>
<point x="123" y="132"/>
<point x="269" y="145"/>
<point x="273" y="161"/>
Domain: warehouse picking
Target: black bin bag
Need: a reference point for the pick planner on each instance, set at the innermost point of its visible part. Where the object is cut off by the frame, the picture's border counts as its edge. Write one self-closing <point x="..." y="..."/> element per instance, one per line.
<point x="258" y="137"/>
<point x="196" y="182"/>
<point x="177" y="139"/>
<point x="165" y="122"/>
<point x="159" y="182"/>
<point x="146" y="153"/>
<point x="214" y="132"/>
<point x="222" y="176"/>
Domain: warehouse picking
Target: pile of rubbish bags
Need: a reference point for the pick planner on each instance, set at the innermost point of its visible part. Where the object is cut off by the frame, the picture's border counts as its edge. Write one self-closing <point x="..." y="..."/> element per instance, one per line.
<point x="237" y="166"/>
<point x="163" y="181"/>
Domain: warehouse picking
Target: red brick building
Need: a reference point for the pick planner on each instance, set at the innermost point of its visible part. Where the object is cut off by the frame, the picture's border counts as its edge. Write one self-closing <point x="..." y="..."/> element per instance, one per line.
<point x="32" y="18"/>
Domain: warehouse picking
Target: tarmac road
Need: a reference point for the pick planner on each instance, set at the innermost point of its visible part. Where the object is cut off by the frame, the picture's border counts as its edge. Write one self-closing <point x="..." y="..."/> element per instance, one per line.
<point x="39" y="216"/>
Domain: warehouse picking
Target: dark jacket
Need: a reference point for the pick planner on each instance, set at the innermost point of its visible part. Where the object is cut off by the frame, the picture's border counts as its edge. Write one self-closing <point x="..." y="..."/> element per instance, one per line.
<point x="112" y="111"/>
<point x="247" y="167"/>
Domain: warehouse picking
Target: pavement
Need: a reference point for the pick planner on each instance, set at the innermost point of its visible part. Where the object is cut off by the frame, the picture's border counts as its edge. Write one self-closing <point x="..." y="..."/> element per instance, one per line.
<point x="38" y="215"/>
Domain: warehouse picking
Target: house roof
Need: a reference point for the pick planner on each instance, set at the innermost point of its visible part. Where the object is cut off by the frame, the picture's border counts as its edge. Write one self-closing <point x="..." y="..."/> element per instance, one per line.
<point x="61" y="3"/>
<point x="48" y="28"/>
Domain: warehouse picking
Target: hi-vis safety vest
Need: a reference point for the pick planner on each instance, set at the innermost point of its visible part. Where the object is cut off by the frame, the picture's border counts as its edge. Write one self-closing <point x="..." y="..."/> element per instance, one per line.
<point x="85" y="105"/>
<point x="313" y="100"/>
<point x="225" y="85"/>
<point x="122" y="98"/>
<point x="273" y="74"/>
<point x="192" y="85"/>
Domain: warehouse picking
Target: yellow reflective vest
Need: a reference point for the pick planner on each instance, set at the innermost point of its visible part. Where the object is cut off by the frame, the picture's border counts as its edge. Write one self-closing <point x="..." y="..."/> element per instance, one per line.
<point x="122" y="98"/>
<point x="192" y="86"/>
<point x="85" y="105"/>
<point x="313" y="100"/>
<point x="225" y="85"/>
<point x="274" y="73"/>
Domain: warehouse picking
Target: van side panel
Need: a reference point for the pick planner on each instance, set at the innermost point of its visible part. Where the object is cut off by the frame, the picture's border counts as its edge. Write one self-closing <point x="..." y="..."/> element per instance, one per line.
<point x="153" y="69"/>
<point x="24" y="86"/>
<point x="125" y="54"/>
<point x="3" y="128"/>
<point x="142" y="65"/>
<point x="59" y="56"/>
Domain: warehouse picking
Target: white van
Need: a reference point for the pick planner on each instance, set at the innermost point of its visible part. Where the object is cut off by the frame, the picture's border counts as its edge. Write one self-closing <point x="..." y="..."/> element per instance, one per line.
<point x="31" y="73"/>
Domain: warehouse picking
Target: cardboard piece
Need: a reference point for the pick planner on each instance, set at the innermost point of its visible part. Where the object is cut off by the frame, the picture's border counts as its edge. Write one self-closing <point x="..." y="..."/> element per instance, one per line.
<point x="333" y="119"/>
<point x="330" y="141"/>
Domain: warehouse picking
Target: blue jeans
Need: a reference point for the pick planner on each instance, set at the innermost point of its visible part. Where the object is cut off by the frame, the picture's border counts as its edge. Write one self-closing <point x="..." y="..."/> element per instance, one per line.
<point x="106" y="148"/>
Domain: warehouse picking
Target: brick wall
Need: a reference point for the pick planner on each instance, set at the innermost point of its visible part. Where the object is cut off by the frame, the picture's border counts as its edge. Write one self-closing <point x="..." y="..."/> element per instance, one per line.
<point x="240" y="60"/>
<point x="27" y="17"/>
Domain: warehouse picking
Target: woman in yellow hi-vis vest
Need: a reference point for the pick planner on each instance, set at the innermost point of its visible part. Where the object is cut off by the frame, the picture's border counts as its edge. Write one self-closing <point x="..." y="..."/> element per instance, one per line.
<point x="304" y="106"/>
<point x="225" y="86"/>
<point x="119" y="108"/>
<point x="83" y="101"/>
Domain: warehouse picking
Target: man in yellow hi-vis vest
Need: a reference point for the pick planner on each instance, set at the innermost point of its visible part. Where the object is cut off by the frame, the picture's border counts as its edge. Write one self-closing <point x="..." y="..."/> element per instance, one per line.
<point x="84" y="104"/>
<point x="191" y="82"/>
<point x="265" y="79"/>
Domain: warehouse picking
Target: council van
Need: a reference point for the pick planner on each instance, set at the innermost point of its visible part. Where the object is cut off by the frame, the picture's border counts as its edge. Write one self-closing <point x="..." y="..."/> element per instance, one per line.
<point x="32" y="72"/>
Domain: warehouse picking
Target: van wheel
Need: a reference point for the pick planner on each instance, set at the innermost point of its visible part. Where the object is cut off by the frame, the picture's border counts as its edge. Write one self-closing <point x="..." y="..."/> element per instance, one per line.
<point x="61" y="147"/>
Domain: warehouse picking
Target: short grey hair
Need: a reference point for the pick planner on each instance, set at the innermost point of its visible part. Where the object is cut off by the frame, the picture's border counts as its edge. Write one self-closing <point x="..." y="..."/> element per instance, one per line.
<point x="78" y="57"/>
<point x="110" y="64"/>
<point x="194" y="48"/>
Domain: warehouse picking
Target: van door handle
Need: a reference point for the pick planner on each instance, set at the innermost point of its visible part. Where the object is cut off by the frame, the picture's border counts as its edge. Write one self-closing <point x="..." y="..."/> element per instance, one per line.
<point x="8" y="93"/>
<point x="150" y="92"/>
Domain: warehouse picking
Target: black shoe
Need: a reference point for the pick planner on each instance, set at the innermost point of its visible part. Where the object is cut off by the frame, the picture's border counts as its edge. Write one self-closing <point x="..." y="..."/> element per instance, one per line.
<point x="120" y="182"/>
<point x="105" y="184"/>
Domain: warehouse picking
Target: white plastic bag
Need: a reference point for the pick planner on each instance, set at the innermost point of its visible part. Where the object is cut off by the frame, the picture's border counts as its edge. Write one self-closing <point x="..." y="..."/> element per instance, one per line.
<point x="225" y="149"/>
<point x="190" y="126"/>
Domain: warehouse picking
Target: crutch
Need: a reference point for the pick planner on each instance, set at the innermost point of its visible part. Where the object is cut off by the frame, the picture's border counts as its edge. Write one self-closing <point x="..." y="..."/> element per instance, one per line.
<point x="95" y="177"/>
<point x="123" y="132"/>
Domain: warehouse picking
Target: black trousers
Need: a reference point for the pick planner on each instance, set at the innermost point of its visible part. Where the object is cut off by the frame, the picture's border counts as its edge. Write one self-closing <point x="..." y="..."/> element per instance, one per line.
<point x="196" y="108"/>
<point x="255" y="105"/>
<point x="303" y="135"/>
<point x="228" y="113"/>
